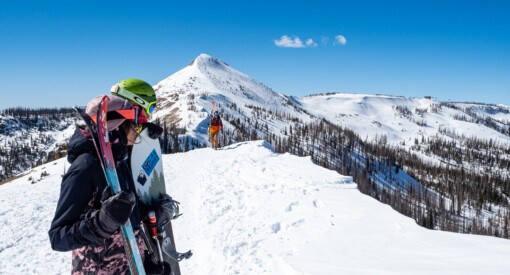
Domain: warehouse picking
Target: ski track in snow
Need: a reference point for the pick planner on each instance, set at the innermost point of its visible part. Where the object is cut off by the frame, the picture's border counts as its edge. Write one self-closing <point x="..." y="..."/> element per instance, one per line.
<point x="247" y="210"/>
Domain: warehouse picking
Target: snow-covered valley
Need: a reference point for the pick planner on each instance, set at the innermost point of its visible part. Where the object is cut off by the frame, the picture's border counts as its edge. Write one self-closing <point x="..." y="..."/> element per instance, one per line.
<point x="248" y="210"/>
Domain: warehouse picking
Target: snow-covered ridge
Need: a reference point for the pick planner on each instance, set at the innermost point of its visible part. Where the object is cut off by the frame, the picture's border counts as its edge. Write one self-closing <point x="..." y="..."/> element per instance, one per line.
<point x="185" y="100"/>
<point x="372" y="115"/>
<point x="190" y="91"/>
<point x="248" y="210"/>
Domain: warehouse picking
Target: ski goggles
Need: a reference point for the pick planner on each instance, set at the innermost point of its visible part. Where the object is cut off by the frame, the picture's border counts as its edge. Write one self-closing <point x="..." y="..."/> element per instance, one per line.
<point x="149" y="107"/>
<point x="135" y="114"/>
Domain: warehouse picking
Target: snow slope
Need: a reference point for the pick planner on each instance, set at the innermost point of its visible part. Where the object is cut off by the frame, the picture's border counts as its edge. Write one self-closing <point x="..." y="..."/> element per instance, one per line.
<point x="250" y="211"/>
<point x="372" y="115"/>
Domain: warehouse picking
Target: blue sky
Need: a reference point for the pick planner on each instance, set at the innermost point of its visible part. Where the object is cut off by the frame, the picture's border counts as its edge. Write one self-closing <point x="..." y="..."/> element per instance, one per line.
<point x="62" y="53"/>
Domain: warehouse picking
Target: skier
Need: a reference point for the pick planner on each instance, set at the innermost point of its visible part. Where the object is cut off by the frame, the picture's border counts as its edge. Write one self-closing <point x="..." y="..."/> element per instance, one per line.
<point x="214" y="129"/>
<point x="88" y="217"/>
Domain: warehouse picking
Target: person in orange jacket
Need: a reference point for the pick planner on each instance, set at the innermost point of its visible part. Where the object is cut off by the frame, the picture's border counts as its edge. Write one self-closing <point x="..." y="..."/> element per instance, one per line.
<point x="214" y="130"/>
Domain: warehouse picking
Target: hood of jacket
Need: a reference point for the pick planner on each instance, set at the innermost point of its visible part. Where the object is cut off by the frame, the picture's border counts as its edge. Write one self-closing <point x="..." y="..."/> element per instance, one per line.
<point x="81" y="143"/>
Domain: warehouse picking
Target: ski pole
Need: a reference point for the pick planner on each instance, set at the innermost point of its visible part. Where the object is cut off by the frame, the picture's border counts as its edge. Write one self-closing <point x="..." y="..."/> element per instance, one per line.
<point x="148" y="244"/>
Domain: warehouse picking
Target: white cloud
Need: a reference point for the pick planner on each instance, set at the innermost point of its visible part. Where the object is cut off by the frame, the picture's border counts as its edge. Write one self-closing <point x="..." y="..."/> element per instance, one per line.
<point x="289" y="42"/>
<point x="340" y="39"/>
<point x="310" y="43"/>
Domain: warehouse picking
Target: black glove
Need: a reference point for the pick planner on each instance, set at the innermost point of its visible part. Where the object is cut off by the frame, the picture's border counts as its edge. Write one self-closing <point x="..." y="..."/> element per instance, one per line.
<point x="154" y="130"/>
<point x="115" y="210"/>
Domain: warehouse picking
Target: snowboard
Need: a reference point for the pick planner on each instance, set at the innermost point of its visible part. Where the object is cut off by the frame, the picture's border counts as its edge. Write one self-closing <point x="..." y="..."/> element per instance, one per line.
<point x="148" y="175"/>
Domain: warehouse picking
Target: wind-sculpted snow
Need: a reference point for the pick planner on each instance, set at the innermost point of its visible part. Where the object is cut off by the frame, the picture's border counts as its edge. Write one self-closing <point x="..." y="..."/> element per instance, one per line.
<point x="248" y="210"/>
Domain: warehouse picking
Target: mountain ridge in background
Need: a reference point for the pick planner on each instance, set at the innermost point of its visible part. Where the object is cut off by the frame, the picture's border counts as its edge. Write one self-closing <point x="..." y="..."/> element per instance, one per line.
<point x="444" y="164"/>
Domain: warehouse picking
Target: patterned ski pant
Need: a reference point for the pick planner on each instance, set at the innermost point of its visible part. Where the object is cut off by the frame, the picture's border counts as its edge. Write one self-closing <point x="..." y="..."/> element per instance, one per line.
<point x="109" y="258"/>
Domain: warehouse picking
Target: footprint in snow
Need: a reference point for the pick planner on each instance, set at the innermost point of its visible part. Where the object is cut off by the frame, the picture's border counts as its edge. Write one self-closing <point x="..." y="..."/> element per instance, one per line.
<point x="291" y="206"/>
<point x="318" y="203"/>
<point x="298" y="223"/>
<point x="276" y="227"/>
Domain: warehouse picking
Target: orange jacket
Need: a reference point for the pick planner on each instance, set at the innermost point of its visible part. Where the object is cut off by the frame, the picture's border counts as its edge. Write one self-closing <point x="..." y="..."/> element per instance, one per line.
<point x="216" y="125"/>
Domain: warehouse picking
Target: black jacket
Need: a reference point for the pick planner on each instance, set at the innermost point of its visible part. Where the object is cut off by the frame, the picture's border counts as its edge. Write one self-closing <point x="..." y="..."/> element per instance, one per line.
<point x="75" y="222"/>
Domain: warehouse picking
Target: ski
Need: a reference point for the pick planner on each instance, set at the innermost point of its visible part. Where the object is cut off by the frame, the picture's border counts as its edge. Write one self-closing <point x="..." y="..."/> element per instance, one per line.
<point x="102" y="145"/>
<point x="210" y="119"/>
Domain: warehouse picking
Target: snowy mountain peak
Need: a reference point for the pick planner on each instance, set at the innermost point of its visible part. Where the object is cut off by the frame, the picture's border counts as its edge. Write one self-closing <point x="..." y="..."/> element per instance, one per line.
<point x="185" y="98"/>
<point x="207" y="60"/>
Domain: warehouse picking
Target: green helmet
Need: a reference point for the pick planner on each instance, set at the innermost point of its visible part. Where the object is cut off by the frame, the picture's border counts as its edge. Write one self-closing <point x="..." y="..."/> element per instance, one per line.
<point x="137" y="92"/>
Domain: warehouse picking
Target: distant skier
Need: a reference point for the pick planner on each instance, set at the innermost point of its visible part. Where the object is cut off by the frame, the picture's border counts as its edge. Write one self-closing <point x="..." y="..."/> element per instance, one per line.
<point x="215" y="129"/>
<point x="88" y="216"/>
